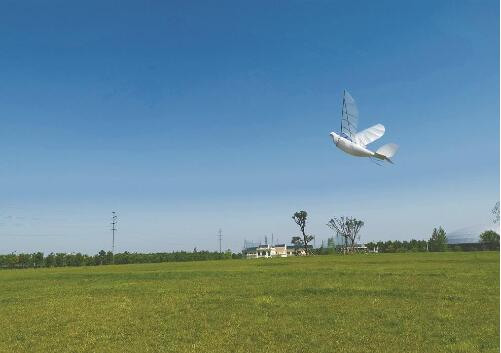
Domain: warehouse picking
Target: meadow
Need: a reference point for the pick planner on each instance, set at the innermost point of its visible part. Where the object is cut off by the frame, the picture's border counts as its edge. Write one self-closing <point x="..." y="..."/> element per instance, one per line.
<point x="413" y="302"/>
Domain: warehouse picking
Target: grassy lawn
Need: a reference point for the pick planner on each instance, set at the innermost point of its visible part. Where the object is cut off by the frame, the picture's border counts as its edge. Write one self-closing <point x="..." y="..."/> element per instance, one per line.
<point x="423" y="302"/>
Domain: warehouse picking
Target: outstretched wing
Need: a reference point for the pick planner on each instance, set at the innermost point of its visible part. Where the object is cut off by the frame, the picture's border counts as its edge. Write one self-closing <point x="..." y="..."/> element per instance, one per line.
<point x="349" y="116"/>
<point x="369" y="135"/>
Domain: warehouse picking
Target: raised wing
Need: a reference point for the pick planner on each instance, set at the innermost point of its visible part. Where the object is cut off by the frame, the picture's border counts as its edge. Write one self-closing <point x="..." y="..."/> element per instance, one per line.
<point x="369" y="135"/>
<point x="349" y="116"/>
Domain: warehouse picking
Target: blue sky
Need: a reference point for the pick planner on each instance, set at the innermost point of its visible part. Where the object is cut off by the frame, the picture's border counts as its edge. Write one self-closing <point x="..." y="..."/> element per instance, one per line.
<point x="186" y="117"/>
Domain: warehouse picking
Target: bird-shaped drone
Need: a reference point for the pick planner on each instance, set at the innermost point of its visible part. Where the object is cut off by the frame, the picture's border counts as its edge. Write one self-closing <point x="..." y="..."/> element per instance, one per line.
<point x="355" y="143"/>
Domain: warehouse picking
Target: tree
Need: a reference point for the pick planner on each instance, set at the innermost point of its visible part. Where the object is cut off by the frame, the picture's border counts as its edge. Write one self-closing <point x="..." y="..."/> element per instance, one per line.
<point x="12" y="260"/>
<point x="348" y="228"/>
<point x="438" y="240"/>
<point x="38" y="259"/>
<point x="101" y="257"/>
<point x="298" y="245"/>
<point x="60" y="259"/>
<point x="495" y="212"/>
<point x="300" y="219"/>
<point x="489" y="236"/>
<point x="227" y="254"/>
<point x="78" y="260"/>
<point x="371" y="245"/>
<point x="109" y="258"/>
<point x="50" y="260"/>
<point x="24" y="260"/>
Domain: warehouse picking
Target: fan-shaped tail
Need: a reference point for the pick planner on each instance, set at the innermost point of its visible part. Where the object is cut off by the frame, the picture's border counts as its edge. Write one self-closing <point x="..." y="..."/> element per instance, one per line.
<point x="386" y="152"/>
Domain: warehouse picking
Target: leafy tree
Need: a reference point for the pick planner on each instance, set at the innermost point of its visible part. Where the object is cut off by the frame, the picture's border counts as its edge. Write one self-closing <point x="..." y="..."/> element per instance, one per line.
<point x="24" y="260"/>
<point x="78" y="260"/>
<point x="348" y="228"/>
<point x="371" y="245"/>
<point x="109" y="258"/>
<point x="227" y="254"/>
<point x="438" y="240"/>
<point x="300" y="219"/>
<point x="101" y="257"/>
<point x="298" y="245"/>
<point x="489" y="236"/>
<point x="60" y="259"/>
<point x="38" y="259"/>
<point x="50" y="260"/>
<point x="11" y="260"/>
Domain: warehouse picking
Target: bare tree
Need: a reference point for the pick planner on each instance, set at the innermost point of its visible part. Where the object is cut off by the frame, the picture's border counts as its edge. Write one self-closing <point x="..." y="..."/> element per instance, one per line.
<point x="495" y="212"/>
<point x="340" y="226"/>
<point x="300" y="219"/>
<point x="348" y="228"/>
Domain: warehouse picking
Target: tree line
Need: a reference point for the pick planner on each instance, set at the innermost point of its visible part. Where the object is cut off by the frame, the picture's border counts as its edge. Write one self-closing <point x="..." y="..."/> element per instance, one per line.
<point x="348" y="228"/>
<point x="489" y="240"/>
<point x="436" y="243"/>
<point x="38" y="259"/>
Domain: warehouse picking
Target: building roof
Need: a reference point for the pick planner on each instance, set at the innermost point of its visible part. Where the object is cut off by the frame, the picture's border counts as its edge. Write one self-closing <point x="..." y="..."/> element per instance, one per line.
<point x="470" y="234"/>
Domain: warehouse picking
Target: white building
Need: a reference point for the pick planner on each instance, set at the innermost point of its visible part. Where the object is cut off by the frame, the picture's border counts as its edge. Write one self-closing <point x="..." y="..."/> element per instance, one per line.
<point x="266" y="251"/>
<point x="280" y="250"/>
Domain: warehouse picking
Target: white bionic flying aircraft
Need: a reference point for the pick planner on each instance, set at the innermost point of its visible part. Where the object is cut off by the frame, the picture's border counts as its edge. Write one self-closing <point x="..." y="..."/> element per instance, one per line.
<point x="355" y="143"/>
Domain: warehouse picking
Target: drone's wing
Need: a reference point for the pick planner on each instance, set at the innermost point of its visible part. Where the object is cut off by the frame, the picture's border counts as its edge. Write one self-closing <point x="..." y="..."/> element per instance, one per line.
<point x="369" y="135"/>
<point x="349" y="116"/>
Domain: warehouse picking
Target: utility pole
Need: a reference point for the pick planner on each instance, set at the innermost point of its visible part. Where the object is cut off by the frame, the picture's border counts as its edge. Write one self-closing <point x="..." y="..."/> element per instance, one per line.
<point x="113" y="230"/>
<point x="220" y="236"/>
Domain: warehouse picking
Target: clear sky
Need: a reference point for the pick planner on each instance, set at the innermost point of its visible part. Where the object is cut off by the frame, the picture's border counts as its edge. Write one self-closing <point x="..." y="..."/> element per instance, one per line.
<point x="186" y="117"/>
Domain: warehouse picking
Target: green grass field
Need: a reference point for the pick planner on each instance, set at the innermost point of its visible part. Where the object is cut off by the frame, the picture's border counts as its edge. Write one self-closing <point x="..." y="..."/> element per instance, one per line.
<point x="422" y="302"/>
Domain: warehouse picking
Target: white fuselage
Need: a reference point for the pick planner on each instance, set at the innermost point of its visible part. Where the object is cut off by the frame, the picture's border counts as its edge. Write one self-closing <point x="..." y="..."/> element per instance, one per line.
<point x="350" y="147"/>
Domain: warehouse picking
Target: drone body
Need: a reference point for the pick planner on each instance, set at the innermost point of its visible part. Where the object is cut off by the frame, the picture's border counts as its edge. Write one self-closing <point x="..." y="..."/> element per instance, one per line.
<point x="353" y="142"/>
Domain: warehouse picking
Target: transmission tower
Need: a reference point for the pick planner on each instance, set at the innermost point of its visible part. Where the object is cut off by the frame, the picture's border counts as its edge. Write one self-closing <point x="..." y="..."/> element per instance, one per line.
<point x="113" y="230"/>
<point x="220" y="236"/>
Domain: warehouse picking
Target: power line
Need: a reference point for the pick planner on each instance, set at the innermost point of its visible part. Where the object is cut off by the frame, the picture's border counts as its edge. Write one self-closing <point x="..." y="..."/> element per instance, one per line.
<point x="113" y="230"/>
<point x="220" y="236"/>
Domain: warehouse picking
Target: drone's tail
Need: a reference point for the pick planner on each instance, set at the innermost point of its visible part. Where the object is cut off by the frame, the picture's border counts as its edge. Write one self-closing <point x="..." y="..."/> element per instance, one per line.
<point x="386" y="152"/>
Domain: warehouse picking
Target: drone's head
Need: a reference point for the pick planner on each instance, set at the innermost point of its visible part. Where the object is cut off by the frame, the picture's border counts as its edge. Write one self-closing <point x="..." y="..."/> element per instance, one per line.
<point x="335" y="137"/>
